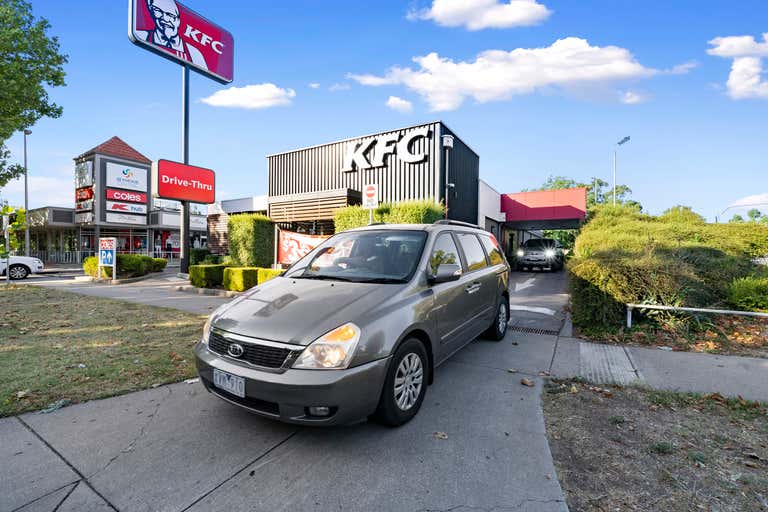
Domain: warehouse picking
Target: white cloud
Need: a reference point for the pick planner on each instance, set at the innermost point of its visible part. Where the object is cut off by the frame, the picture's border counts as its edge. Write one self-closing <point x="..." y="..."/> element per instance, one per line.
<point x="739" y="46"/>
<point x="43" y="191"/>
<point x="684" y="68"/>
<point x="753" y="200"/>
<point x="400" y="104"/>
<point x="339" y="87"/>
<point x="480" y="14"/>
<point x="633" y="98"/>
<point x="251" y="97"/>
<point x="314" y="85"/>
<point x="746" y="78"/>
<point x="497" y="75"/>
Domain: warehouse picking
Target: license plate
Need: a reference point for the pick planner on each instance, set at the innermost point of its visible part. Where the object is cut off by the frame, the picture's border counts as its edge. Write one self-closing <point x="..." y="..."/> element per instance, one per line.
<point x="229" y="383"/>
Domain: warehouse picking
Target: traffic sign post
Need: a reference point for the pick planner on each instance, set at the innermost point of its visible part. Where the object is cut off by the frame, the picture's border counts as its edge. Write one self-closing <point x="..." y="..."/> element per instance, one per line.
<point x="6" y="236"/>
<point x="370" y="199"/>
<point x="108" y="255"/>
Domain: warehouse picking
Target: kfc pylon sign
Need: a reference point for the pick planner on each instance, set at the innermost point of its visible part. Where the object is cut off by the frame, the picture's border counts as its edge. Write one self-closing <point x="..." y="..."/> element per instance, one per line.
<point x="172" y="180"/>
<point x="178" y="33"/>
<point x="124" y="195"/>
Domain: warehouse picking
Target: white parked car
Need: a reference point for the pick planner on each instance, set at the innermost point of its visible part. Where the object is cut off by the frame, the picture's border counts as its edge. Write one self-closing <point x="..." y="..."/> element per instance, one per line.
<point x="21" y="266"/>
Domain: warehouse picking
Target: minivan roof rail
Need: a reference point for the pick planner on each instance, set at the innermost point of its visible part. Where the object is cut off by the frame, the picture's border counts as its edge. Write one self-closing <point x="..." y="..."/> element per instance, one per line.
<point x="456" y="223"/>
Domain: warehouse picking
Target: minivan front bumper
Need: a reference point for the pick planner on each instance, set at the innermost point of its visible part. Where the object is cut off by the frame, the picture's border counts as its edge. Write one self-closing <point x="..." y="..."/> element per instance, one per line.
<point x="351" y="394"/>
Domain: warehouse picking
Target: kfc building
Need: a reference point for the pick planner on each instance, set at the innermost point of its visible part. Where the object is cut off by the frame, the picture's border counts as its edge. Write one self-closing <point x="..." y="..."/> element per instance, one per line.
<point x="306" y="186"/>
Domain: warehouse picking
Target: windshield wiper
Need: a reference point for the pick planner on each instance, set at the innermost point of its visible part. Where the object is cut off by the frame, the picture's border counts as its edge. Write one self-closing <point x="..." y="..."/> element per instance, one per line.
<point x="382" y="280"/>
<point x="322" y="277"/>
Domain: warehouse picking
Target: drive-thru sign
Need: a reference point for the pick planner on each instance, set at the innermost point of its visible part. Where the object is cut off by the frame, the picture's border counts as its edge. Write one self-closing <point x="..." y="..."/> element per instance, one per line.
<point x="172" y="180"/>
<point x="108" y="255"/>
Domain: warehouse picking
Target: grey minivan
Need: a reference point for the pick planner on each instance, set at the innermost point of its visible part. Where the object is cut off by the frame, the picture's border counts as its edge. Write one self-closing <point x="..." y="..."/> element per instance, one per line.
<point x="356" y="328"/>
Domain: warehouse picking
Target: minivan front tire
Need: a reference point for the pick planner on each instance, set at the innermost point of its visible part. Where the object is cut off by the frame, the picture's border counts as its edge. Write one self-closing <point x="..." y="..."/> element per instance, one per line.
<point x="405" y="385"/>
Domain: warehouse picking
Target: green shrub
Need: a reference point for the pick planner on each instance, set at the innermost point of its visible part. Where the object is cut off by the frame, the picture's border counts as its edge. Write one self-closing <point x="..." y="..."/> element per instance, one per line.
<point x="265" y="274"/>
<point x="196" y="256"/>
<point x="623" y="256"/>
<point x="159" y="264"/>
<point x="128" y="265"/>
<point x="206" y="276"/>
<point x="239" y="279"/>
<point x="211" y="259"/>
<point x="251" y="240"/>
<point x="408" y="212"/>
<point x="749" y="293"/>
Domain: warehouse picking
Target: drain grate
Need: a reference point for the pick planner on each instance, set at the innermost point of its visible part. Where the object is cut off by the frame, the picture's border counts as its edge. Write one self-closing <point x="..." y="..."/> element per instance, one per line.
<point x="533" y="330"/>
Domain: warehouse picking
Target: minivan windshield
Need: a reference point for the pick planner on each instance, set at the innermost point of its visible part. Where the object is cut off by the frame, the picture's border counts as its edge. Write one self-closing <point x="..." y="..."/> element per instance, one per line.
<point x="539" y="243"/>
<point x="364" y="257"/>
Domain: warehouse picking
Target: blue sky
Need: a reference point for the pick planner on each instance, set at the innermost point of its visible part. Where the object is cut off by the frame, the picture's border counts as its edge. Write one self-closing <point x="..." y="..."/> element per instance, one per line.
<point x="646" y="72"/>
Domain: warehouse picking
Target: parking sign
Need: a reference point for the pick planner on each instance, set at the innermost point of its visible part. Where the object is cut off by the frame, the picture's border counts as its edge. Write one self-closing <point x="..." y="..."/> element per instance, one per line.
<point x="108" y="255"/>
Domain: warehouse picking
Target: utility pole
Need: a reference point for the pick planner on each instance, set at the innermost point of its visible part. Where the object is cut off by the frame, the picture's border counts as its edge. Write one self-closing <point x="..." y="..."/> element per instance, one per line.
<point x="448" y="145"/>
<point x="184" y="211"/>
<point x="615" y="153"/>
<point x="26" y="194"/>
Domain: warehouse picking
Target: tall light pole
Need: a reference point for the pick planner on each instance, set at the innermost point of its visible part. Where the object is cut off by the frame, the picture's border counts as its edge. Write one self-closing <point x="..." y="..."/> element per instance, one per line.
<point x="448" y="145"/>
<point x="615" y="156"/>
<point x="26" y="195"/>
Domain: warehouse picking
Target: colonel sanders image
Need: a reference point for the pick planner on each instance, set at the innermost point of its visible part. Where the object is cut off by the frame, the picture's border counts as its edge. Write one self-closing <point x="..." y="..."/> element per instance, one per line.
<point x="165" y="14"/>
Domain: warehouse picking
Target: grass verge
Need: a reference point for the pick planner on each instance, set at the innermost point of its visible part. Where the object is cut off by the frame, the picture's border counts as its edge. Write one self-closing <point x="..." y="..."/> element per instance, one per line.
<point x="634" y="449"/>
<point x="57" y="345"/>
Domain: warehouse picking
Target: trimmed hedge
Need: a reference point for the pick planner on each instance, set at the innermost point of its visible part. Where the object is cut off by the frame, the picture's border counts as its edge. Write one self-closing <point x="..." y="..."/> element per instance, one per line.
<point x="408" y="212"/>
<point x="265" y="274"/>
<point x="623" y="256"/>
<point x="196" y="256"/>
<point x="238" y="279"/>
<point x="128" y="265"/>
<point x="251" y="240"/>
<point x="749" y="293"/>
<point x="206" y="276"/>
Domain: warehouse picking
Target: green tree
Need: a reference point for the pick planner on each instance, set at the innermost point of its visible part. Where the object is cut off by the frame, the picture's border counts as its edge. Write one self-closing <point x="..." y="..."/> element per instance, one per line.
<point x="683" y="214"/>
<point x="14" y="228"/>
<point x="736" y="218"/>
<point x="754" y="214"/>
<point x="29" y="61"/>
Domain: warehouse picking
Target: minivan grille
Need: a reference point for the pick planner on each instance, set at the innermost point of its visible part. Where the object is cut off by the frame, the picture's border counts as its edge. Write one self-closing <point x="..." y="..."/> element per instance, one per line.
<point x="259" y="355"/>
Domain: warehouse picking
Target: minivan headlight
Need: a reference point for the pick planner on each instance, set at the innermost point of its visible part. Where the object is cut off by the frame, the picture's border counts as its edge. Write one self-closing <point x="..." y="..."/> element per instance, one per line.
<point x="549" y="253"/>
<point x="206" y="330"/>
<point x="331" y="351"/>
<point x="520" y="253"/>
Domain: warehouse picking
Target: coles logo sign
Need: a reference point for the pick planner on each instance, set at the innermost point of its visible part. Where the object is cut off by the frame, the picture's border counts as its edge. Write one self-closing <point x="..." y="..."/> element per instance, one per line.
<point x="124" y="195"/>
<point x="172" y="180"/>
<point x="178" y="33"/>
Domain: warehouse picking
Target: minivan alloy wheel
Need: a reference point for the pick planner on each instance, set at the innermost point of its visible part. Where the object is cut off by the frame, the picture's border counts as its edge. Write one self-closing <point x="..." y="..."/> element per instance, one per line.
<point x="408" y="381"/>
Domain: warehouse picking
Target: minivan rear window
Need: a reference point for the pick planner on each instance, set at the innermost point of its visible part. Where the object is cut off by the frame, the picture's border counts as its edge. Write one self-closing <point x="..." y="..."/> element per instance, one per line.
<point x="473" y="251"/>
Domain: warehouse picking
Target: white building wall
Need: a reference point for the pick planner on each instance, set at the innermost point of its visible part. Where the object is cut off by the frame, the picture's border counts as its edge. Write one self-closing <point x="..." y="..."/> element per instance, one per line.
<point x="489" y="204"/>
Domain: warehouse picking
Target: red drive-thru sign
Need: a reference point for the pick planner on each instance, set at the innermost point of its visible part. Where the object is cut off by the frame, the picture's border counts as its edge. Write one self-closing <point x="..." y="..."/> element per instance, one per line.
<point x="172" y="180"/>
<point x="178" y="33"/>
<point x="125" y="195"/>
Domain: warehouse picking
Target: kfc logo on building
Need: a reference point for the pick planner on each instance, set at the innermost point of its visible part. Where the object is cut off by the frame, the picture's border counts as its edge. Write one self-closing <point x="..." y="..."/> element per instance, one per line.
<point x="177" y="32"/>
<point x="369" y="153"/>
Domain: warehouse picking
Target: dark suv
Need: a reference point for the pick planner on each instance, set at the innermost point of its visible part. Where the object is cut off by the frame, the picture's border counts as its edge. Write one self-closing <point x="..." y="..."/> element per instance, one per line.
<point x="540" y="253"/>
<point x="357" y="326"/>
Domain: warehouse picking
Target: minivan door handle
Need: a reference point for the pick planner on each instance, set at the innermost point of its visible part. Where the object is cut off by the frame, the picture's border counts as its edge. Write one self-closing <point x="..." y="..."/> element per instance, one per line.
<point x="472" y="288"/>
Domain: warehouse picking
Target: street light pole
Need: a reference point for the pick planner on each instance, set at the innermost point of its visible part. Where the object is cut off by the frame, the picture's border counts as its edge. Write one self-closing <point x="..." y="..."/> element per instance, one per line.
<point x="615" y="157"/>
<point x="26" y="195"/>
<point x="448" y="145"/>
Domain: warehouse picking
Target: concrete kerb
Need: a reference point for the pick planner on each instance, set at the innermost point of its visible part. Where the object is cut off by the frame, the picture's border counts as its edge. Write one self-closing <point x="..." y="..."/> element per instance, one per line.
<point x="206" y="291"/>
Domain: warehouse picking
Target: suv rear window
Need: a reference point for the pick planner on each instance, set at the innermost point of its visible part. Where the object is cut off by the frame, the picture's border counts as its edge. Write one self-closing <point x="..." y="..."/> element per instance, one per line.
<point x="473" y="251"/>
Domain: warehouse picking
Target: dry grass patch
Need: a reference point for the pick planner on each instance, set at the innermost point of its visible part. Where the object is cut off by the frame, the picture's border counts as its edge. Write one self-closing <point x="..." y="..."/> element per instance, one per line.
<point x="638" y="450"/>
<point x="57" y="345"/>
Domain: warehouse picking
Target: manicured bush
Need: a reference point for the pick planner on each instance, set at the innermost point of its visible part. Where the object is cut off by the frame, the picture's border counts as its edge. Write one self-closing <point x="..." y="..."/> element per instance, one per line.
<point x="238" y="279"/>
<point x="196" y="256"/>
<point x="128" y="265"/>
<point x="408" y="212"/>
<point x="206" y="276"/>
<point x="749" y="293"/>
<point x="159" y="264"/>
<point x="265" y="274"/>
<point x="251" y="240"/>
<point x="211" y="259"/>
<point x="623" y="256"/>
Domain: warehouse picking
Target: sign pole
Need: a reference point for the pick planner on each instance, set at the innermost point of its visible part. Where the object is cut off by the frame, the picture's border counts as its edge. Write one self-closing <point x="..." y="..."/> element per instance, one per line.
<point x="184" y="228"/>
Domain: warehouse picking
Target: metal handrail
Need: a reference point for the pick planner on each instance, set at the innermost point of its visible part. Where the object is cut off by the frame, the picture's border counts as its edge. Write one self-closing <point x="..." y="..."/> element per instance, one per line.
<point x="630" y="307"/>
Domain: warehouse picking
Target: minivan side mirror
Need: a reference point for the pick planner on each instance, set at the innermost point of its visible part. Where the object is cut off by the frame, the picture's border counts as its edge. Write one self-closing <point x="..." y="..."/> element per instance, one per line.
<point x="445" y="273"/>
